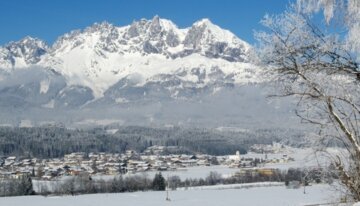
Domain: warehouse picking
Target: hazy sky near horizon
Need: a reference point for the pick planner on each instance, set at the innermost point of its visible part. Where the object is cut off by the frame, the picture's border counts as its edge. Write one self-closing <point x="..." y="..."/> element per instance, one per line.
<point x="48" y="19"/>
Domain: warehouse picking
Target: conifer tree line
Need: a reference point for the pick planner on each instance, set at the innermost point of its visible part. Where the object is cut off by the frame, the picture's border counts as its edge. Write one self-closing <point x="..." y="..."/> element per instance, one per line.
<point x="50" y="142"/>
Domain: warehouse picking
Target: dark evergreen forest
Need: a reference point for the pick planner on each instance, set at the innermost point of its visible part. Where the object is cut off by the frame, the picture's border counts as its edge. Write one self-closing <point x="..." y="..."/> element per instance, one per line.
<point x="49" y="142"/>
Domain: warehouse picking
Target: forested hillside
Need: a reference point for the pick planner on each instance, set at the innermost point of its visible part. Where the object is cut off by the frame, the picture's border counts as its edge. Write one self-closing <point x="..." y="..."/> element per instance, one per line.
<point x="48" y="142"/>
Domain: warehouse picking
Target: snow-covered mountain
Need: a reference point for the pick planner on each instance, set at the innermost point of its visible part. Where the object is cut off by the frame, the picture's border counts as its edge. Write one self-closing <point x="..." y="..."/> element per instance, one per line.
<point x="23" y="53"/>
<point x="101" y="55"/>
<point x="147" y="62"/>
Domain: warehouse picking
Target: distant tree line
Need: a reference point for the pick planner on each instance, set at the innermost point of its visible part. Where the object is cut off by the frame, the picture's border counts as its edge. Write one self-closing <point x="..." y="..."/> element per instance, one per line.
<point x="16" y="187"/>
<point x="49" y="142"/>
<point x="81" y="185"/>
<point x="303" y="176"/>
<point x="84" y="184"/>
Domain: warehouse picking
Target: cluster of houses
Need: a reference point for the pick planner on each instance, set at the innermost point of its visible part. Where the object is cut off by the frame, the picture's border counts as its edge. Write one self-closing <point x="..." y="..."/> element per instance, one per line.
<point x="275" y="147"/>
<point x="246" y="161"/>
<point x="113" y="164"/>
<point x="97" y="164"/>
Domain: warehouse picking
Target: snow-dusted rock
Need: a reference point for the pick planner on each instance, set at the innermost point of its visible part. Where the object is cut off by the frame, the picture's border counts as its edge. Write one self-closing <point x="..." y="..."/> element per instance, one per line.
<point x="103" y="54"/>
<point x="23" y="53"/>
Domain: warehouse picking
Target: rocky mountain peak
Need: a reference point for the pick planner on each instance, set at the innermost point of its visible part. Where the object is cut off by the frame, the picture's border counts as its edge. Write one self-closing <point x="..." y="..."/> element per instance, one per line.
<point x="203" y="22"/>
<point x="155" y="26"/>
<point x="151" y="29"/>
<point x="22" y="53"/>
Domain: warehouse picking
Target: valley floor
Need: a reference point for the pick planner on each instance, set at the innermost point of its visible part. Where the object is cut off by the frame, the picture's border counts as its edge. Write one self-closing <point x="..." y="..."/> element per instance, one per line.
<point x="262" y="196"/>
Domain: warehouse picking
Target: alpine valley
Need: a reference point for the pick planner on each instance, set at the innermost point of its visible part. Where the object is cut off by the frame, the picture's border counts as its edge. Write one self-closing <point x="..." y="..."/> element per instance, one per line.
<point x="148" y="73"/>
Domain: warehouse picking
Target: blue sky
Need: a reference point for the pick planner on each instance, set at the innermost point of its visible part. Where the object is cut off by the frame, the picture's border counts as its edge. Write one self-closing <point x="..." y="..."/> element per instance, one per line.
<point x="47" y="19"/>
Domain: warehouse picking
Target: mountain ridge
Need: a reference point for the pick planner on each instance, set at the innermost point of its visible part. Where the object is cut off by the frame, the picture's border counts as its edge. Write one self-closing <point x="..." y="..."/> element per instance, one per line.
<point x="102" y="54"/>
<point x="149" y="72"/>
<point x="202" y="30"/>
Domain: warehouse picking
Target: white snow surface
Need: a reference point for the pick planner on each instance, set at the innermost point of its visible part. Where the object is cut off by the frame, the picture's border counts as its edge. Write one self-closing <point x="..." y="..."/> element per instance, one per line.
<point x="83" y="67"/>
<point x="44" y="86"/>
<point x="253" y="196"/>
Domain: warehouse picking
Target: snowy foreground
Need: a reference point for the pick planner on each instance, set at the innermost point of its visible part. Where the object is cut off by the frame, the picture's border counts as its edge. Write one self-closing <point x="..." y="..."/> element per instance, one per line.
<point x="269" y="196"/>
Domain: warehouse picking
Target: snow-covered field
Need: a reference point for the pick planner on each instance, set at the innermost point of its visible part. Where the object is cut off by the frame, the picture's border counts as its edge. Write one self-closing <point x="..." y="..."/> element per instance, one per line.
<point x="269" y="196"/>
<point x="197" y="172"/>
<point x="304" y="157"/>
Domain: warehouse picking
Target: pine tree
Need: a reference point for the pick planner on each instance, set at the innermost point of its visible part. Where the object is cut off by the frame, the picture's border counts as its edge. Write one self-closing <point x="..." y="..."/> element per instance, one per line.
<point x="26" y="186"/>
<point x="159" y="182"/>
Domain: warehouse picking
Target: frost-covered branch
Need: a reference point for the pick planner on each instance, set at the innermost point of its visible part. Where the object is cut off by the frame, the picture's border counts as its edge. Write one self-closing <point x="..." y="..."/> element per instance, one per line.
<point x="320" y="69"/>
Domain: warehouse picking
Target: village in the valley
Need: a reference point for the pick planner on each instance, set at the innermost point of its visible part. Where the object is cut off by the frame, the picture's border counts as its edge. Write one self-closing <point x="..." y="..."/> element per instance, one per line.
<point x="152" y="159"/>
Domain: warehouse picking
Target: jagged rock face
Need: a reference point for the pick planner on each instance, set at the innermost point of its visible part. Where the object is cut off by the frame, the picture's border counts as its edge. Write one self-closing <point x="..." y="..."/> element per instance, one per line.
<point x="213" y="42"/>
<point x="25" y="52"/>
<point x="156" y="36"/>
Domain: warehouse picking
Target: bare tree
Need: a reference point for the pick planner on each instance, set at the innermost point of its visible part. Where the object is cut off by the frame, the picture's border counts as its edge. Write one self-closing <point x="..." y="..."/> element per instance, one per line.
<point x="321" y="69"/>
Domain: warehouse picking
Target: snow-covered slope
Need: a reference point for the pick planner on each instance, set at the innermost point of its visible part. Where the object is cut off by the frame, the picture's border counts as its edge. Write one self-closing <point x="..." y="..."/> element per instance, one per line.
<point x="102" y="54"/>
